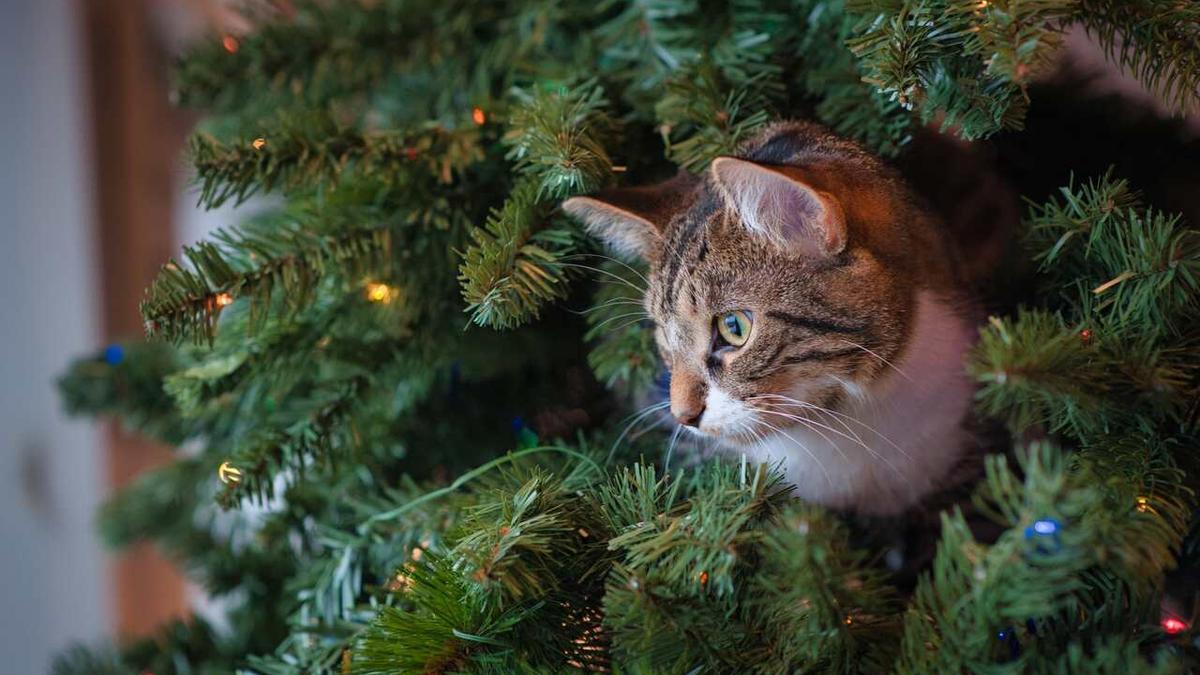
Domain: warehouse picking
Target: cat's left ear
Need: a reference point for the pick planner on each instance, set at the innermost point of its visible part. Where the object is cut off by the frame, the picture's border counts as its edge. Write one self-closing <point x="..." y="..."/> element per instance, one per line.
<point x="632" y="220"/>
<point x="787" y="212"/>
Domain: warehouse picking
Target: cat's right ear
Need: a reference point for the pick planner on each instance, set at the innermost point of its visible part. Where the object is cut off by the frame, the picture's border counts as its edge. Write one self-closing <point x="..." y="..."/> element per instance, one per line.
<point x="632" y="220"/>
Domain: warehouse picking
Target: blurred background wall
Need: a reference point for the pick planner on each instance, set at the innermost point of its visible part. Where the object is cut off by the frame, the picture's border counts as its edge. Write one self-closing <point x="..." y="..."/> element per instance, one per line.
<point x="94" y="197"/>
<point x="53" y="577"/>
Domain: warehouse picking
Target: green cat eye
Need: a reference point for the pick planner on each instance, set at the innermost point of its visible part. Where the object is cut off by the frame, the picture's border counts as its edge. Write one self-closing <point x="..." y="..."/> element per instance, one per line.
<point x="734" y="327"/>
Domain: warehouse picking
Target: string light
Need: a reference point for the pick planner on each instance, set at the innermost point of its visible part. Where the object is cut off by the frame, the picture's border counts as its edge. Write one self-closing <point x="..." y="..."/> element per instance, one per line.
<point x="416" y="553"/>
<point x="224" y="300"/>
<point x="259" y="143"/>
<point x="229" y="474"/>
<point x="1045" y="534"/>
<point x="399" y="582"/>
<point x="1085" y="335"/>
<point x="230" y="44"/>
<point x="379" y="292"/>
<point x="1173" y="625"/>
<point x="1143" y="505"/>
<point x="478" y="115"/>
<point x="703" y="578"/>
<point x="1045" y="526"/>
<point x="114" y="354"/>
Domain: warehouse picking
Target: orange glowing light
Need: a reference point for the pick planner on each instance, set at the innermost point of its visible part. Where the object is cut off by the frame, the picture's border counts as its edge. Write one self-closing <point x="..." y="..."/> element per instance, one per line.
<point x="1143" y="505"/>
<point x="703" y="578"/>
<point x="377" y="292"/>
<point x="224" y="300"/>
<point x="230" y="44"/>
<point x="259" y="143"/>
<point x="399" y="582"/>
<point x="478" y="115"/>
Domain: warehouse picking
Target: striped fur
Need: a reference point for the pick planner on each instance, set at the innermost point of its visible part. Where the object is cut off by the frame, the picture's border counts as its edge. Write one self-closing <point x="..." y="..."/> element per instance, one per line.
<point x="834" y="327"/>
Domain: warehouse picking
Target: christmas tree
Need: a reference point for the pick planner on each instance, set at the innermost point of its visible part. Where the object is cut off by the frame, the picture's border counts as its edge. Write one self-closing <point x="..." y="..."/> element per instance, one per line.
<point x="414" y="395"/>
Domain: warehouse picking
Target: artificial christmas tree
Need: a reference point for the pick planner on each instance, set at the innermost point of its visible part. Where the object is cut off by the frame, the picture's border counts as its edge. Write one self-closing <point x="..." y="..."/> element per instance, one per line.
<point x="434" y="499"/>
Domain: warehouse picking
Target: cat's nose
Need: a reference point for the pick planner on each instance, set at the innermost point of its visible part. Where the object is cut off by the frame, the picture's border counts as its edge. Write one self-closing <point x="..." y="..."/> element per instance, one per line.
<point x="690" y="418"/>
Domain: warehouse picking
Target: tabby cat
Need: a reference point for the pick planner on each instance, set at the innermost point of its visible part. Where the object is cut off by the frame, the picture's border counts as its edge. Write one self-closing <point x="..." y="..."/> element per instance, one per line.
<point x="811" y="311"/>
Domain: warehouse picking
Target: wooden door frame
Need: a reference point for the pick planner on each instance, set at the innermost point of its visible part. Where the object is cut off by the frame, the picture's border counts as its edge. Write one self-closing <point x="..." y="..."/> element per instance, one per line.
<point x="136" y="138"/>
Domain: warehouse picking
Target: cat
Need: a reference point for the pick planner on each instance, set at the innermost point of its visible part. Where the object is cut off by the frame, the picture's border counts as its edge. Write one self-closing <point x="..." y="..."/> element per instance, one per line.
<point x="812" y="311"/>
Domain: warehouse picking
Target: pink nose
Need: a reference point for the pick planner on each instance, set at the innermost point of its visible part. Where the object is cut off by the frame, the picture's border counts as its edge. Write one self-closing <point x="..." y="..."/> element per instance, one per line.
<point x="690" y="418"/>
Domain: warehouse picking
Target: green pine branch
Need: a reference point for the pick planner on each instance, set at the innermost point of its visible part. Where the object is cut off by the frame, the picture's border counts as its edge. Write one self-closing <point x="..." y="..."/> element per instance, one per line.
<point x="828" y="71"/>
<point x="1157" y="41"/>
<point x="125" y="381"/>
<point x="966" y="63"/>
<point x="1034" y="584"/>
<point x="1115" y="654"/>
<point x="302" y="152"/>
<point x="647" y="41"/>
<point x="273" y="266"/>
<point x="623" y="355"/>
<point x="1128" y="279"/>
<point x="824" y="606"/>
<point x="702" y="117"/>
<point x="1140" y="267"/>
<point x="320" y="52"/>
<point x="317" y="430"/>
<point x="451" y="629"/>
<point x="559" y="137"/>
<point x="671" y="597"/>
<point x="1035" y="371"/>
<point x="514" y="265"/>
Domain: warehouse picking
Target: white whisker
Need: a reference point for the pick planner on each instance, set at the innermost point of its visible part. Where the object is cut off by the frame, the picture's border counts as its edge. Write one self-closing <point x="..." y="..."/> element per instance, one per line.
<point x="799" y="444"/>
<point x="622" y="263"/>
<point x="638" y="416"/>
<point x="790" y="402"/>
<point x="816" y="428"/>
<point x="598" y="270"/>
<point x="787" y="402"/>
<point x="613" y="302"/>
<point x="640" y="317"/>
<point x="625" y="325"/>
<point x="812" y="425"/>
<point x="881" y="359"/>
<point x="671" y="448"/>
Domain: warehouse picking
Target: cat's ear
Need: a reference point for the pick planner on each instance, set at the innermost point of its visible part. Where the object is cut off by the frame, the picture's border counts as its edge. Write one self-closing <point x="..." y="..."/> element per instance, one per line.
<point x="632" y="220"/>
<point x="789" y="213"/>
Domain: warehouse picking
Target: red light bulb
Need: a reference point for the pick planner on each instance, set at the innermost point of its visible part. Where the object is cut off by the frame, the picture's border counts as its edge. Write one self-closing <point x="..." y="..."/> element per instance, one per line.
<point x="1173" y="625"/>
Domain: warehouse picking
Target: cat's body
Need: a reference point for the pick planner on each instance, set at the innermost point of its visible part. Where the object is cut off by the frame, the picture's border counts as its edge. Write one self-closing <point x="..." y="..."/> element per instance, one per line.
<point x="812" y="312"/>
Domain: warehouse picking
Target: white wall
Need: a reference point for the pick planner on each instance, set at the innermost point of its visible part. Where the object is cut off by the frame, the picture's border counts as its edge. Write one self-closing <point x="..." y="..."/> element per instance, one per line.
<point x="53" y="575"/>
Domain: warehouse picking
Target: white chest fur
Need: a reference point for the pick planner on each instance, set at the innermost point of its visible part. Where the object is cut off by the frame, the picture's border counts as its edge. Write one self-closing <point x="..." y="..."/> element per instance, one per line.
<point x="893" y="442"/>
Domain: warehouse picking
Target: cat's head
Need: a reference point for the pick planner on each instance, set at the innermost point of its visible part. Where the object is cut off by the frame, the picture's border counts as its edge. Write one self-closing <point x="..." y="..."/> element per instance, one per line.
<point x="781" y="279"/>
